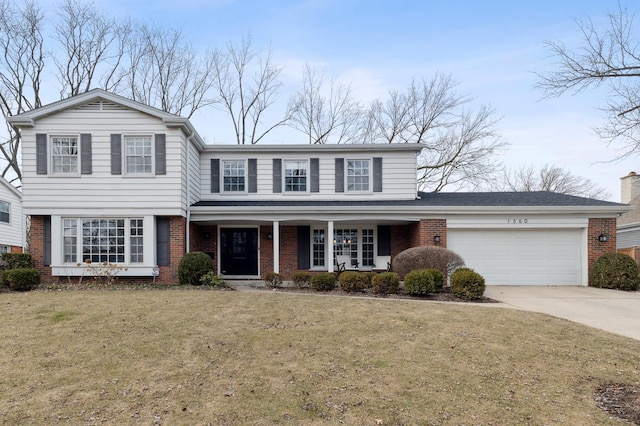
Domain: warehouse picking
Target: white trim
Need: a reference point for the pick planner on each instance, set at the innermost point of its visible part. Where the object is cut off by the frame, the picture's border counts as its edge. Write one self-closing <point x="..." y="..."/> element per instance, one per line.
<point x="283" y="174"/>
<point x="51" y="172"/>
<point x="246" y="176"/>
<point x="125" y="172"/>
<point x="369" y="189"/>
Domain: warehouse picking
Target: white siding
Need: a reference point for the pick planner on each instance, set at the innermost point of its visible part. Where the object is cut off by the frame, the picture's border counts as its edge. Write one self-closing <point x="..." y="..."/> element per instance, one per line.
<point x="398" y="176"/>
<point x="100" y="191"/>
<point x="12" y="233"/>
<point x="194" y="181"/>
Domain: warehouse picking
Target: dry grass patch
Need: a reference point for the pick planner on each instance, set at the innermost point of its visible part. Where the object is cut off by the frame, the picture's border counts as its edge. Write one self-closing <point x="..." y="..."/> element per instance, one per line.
<point x="199" y="357"/>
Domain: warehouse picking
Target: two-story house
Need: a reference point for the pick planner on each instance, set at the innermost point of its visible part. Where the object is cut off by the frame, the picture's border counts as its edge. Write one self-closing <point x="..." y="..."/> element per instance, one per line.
<point x="111" y="180"/>
<point x="12" y="223"/>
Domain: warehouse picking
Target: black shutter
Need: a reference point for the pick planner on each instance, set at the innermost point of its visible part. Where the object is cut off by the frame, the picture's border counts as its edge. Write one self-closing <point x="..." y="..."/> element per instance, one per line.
<point x="339" y="174"/>
<point x="277" y="175"/>
<point x="253" y="175"/>
<point x="85" y="154"/>
<point x="116" y="154"/>
<point x="377" y="174"/>
<point x="304" y="247"/>
<point x="161" y="154"/>
<point x="46" y="237"/>
<point x="315" y="175"/>
<point x="384" y="240"/>
<point x="215" y="175"/>
<point x="162" y="241"/>
<point x="41" y="153"/>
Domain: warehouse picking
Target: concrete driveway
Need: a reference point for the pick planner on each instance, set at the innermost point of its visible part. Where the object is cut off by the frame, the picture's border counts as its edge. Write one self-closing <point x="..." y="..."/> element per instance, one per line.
<point x="610" y="310"/>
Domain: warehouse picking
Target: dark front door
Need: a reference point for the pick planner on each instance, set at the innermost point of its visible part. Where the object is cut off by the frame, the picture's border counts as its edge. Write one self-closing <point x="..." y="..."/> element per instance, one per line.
<point x="239" y="251"/>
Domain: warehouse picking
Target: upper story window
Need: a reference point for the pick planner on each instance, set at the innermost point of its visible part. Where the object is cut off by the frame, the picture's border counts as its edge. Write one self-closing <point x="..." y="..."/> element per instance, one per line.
<point x="5" y="210"/>
<point x="358" y="173"/>
<point x="138" y="154"/>
<point x="64" y="154"/>
<point x="295" y="175"/>
<point x="234" y="173"/>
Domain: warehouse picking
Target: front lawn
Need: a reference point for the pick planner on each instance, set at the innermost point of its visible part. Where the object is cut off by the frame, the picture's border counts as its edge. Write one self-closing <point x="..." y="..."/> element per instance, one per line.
<point x="233" y="358"/>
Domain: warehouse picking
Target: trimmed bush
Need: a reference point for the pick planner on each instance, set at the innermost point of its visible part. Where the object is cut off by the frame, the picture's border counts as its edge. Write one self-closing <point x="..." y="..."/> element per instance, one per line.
<point x="423" y="281"/>
<point x="23" y="279"/>
<point x="193" y="266"/>
<point x="369" y="275"/>
<point x="323" y="282"/>
<point x="445" y="261"/>
<point x="273" y="279"/>
<point x="615" y="270"/>
<point x="467" y="284"/>
<point x="385" y="283"/>
<point x="211" y="279"/>
<point x="18" y="260"/>
<point x="301" y="279"/>
<point x="4" y="278"/>
<point x="353" y="281"/>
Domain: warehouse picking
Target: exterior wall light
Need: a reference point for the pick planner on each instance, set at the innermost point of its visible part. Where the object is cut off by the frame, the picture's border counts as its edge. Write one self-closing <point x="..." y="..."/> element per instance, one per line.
<point x="269" y="236"/>
<point x="436" y="239"/>
<point x="603" y="238"/>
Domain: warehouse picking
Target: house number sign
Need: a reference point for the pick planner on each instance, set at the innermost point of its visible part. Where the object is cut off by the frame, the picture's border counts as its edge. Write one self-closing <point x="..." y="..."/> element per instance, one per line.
<point x="517" y="221"/>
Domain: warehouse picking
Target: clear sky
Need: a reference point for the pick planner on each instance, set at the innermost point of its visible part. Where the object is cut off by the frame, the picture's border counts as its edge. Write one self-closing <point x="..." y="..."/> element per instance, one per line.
<point x="492" y="48"/>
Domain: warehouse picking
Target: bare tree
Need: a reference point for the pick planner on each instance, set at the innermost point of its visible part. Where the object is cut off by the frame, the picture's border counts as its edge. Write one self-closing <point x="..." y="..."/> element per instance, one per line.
<point x="551" y="178"/>
<point x="21" y="66"/>
<point x="325" y="114"/>
<point x="461" y="146"/>
<point x="247" y="83"/>
<point x="610" y="56"/>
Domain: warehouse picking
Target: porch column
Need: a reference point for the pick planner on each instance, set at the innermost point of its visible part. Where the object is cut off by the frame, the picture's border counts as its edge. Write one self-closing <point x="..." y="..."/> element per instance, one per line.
<point x="329" y="239"/>
<point x="276" y="247"/>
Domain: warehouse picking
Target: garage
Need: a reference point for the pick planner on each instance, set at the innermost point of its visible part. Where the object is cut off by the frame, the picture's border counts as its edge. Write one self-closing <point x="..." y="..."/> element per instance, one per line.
<point x="522" y="257"/>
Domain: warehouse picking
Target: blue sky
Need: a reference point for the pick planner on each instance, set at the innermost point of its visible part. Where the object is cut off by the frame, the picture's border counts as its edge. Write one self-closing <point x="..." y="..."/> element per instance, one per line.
<point x="492" y="48"/>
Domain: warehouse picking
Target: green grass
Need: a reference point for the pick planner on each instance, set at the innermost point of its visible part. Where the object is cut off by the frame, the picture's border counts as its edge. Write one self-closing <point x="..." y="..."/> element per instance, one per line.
<point x="234" y="358"/>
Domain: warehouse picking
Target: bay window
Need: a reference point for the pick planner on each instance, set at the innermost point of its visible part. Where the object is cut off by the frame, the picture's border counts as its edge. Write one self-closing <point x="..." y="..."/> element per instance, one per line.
<point x="112" y="240"/>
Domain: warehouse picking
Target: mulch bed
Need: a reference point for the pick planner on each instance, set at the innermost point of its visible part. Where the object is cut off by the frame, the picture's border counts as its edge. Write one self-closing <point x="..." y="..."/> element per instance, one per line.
<point x="619" y="400"/>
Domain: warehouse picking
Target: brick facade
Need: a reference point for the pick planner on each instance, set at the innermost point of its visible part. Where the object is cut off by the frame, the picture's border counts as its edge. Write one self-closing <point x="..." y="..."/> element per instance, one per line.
<point x="36" y="247"/>
<point x="596" y="248"/>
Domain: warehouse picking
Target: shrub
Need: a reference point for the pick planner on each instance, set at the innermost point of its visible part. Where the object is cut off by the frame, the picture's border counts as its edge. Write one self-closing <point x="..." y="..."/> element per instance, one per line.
<point x="23" y="279"/>
<point x="273" y="279"/>
<point x="211" y="279"/>
<point x="615" y="270"/>
<point x="434" y="257"/>
<point x="301" y="279"/>
<point x="423" y="281"/>
<point x="353" y="281"/>
<point x="324" y="282"/>
<point x="369" y="275"/>
<point x="18" y="260"/>
<point x="4" y="278"/>
<point x="386" y="283"/>
<point x="467" y="284"/>
<point x="193" y="266"/>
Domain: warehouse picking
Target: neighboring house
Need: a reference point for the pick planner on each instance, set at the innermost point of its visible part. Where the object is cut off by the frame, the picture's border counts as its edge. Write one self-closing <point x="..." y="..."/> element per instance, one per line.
<point x="12" y="223"/>
<point x="628" y="239"/>
<point x="112" y="180"/>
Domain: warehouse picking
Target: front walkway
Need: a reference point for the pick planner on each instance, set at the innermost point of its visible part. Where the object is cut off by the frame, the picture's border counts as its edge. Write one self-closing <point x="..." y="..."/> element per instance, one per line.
<point x="610" y="310"/>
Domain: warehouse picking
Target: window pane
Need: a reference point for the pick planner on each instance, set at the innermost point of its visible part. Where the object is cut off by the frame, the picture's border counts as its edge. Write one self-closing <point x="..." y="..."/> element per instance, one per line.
<point x="64" y="154"/>
<point x="102" y="241"/>
<point x="136" y="240"/>
<point x="5" y="210"/>
<point x="138" y="157"/>
<point x="70" y="240"/>
<point x="367" y="247"/>
<point x="295" y="176"/>
<point x="233" y="176"/>
<point x="357" y="175"/>
<point x="318" y="247"/>
<point x="346" y="243"/>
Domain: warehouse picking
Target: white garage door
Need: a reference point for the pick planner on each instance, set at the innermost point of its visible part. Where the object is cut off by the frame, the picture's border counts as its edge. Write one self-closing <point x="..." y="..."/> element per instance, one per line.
<point x="522" y="257"/>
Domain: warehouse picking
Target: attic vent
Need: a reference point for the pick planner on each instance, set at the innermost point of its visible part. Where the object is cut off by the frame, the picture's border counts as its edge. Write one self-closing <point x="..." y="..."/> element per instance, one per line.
<point x="100" y="106"/>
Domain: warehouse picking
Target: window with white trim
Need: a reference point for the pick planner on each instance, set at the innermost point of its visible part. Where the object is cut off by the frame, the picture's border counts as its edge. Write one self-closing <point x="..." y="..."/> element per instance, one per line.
<point x="357" y="243"/>
<point x="295" y="175"/>
<point x="112" y="240"/>
<point x="4" y="249"/>
<point x="358" y="172"/>
<point x="234" y="173"/>
<point x="5" y="212"/>
<point x="64" y="154"/>
<point x="317" y="248"/>
<point x="138" y="154"/>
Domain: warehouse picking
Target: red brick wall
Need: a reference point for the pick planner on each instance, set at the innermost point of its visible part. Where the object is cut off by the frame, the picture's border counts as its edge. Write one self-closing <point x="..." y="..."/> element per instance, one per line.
<point x="177" y="248"/>
<point x="15" y="249"/>
<point x="266" y="250"/>
<point x="288" y="251"/>
<point x="422" y="233"/>
<point x="36" y="247"/>
<point x="596" y="248"/>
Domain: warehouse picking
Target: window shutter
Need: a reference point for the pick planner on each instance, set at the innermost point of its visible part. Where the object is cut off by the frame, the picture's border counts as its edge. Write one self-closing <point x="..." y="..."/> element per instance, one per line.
<point x="377" y="174"/>
<point x="162" y="241"/>
<point x="41" y="153"/>
<point x="161" y="153"/>
<point x="304" y="247"/>
<point x="253" y="175"/>
<point x="85" y="153"/>
<point x="46" y="231"/>
<point x="315" y="175"/>
<point x="215" y="175"/>
<point x="339" y="174"/>
<point x="384" y="240"/>
<point x="116" y="154"/>
<point x="277" y="175"/>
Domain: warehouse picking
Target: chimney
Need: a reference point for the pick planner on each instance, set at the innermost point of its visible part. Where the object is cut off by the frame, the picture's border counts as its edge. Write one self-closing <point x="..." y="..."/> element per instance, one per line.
<point x="630" y="187"/>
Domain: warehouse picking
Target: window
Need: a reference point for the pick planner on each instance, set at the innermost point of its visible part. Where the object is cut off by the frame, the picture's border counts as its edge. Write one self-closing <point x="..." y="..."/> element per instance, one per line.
<point x="357" y="175"/>
<point x="295" y="175"/>
<point x="233" y="176"/>
<point x="358" y="244"/>
<point x="138" y="154"/>
<point x="64" y="154"/>
<point x="4" y="249"/>
<point x="5" y="211"/>
<point x="318" y="253"/>
<point x="112" y="240"/>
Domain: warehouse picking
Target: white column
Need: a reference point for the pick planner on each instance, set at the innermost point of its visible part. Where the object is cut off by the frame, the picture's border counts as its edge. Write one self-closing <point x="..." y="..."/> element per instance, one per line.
<point x="329" y="240"/>
<point x="276" y="247"/>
